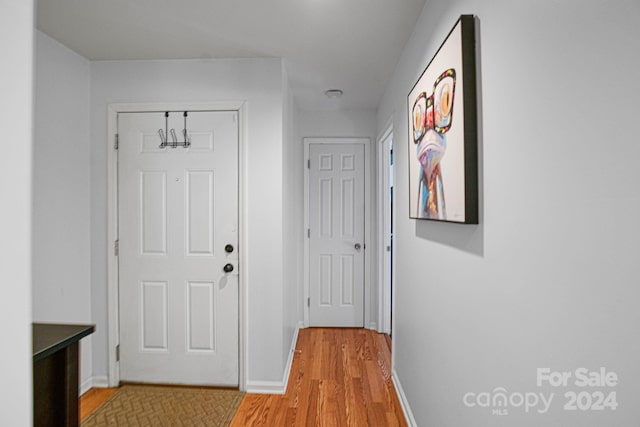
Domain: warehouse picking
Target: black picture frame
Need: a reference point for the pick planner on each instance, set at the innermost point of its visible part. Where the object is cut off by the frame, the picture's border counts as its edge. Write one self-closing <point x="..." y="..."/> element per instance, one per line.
<point x="443" y="132"/>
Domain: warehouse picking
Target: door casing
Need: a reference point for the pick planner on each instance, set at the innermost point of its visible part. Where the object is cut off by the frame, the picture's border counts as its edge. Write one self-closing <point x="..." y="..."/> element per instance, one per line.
<point x="369" y="320"/>
<point x="385" y="260"/>
<point x="112" y="224"/>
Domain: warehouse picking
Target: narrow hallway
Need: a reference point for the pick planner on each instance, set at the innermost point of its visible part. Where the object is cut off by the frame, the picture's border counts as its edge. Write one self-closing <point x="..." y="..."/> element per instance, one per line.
<point x="339" y="377"/>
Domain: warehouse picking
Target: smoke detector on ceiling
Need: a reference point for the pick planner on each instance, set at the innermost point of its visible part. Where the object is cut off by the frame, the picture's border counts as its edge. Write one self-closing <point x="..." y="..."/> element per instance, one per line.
<point x="333" y="93"/>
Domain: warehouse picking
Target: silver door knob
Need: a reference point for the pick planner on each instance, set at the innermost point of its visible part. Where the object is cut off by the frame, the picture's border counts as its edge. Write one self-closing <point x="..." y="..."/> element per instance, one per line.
<point x="357" y="246"/>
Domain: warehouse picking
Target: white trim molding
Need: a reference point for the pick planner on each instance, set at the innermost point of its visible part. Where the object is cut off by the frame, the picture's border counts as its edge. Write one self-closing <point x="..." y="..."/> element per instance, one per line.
<point x="266" y="387"/>
<point x="112" y="227"/>
<point x="86" y="386"/>
<point x="277" y="387"/>
<point x="404" y="403"/>
<point x="94" y="382"/>
<point x="368" y="321"/>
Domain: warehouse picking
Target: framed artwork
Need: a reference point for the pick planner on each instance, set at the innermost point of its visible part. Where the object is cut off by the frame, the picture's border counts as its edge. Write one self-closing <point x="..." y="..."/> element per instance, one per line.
<point x="443" y="141"/>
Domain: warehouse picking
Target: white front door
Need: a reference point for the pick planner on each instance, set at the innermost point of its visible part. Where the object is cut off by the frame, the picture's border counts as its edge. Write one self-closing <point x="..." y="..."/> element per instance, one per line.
<point x="177" y="214"/>
<point x="336" y="246"/>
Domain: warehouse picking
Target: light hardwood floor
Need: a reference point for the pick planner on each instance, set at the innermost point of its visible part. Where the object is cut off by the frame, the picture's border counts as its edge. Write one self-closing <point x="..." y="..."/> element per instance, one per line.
<point x="339" y="377"/>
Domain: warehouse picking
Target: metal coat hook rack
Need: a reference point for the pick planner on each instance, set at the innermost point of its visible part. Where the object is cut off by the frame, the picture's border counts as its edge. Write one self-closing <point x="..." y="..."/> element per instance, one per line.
<point x="164" y="134"/>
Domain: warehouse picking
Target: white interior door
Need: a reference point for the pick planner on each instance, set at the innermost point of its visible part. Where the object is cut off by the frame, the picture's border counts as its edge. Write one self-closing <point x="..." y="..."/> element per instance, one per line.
<point x="177" y="212"/>
<point x="336" y="241"/>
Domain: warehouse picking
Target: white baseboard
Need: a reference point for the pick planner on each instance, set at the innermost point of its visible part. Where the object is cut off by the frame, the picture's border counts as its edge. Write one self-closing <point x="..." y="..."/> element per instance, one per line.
<point x="265" y="387"/>
<point x="98" y="382"/>
<point x="292" y="352"/>
<point x="408" y="415"/>
<point x="86" y="386"/>
<point x="277" y="387"/>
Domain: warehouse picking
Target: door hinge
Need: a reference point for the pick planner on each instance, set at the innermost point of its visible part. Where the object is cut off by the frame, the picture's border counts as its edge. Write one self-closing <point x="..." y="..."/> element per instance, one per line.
<point x="116" y="144"/>
<point x="308" y="233"/>
<point x="309" y="302"/>
<point x="118" y="353"/>
<point x="116" y="247"/>
<point x="308" y="163"/>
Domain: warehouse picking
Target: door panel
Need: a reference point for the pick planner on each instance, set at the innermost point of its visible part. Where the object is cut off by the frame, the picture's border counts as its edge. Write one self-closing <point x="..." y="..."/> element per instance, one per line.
<point x="201" y="305"/>
<point x="154" y="315"/>
<point x="199" y="213"/>
<point x="336" y="248"/>
<point x="153" y="210"/>
<point x="177" y="209"/>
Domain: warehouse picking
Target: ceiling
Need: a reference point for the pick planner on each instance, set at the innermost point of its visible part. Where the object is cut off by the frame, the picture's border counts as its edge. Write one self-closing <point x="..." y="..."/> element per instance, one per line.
<point x="351" y="45"/>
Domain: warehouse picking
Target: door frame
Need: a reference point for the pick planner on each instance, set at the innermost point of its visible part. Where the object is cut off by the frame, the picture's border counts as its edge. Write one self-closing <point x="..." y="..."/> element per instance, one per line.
<point x="113" y="333"/>
<point x="368" y="321"/>
<point x="385" y="260"/>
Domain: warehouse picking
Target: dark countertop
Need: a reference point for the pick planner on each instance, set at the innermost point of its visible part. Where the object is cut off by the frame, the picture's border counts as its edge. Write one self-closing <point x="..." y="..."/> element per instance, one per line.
<point x="51" y="337"/>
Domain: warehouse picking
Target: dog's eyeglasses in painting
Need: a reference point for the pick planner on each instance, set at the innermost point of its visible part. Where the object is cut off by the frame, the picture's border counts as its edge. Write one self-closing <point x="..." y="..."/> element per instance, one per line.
<point x="435" y="111"/>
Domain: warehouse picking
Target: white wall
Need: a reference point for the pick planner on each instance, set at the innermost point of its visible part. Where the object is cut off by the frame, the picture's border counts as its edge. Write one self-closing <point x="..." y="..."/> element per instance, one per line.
<point x="61" y="275"/>
<point x="549" y="279"/>
<point x="258" y="81"/>
<point x="16" y="110"/>
<point x="347" y="124"/>
<point x="292" y="220"/>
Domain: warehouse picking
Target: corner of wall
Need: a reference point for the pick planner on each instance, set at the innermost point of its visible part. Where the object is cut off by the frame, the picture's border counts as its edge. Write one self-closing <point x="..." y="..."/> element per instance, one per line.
<point x="277" y="387"/>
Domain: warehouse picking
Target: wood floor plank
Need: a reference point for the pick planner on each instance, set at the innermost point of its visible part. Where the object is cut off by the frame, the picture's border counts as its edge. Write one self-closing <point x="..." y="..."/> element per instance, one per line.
<point x="312" y="416"/>
<point x="357" y="402"/>
<point x="376" y="416"/>
<point x="315" y="356"/>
